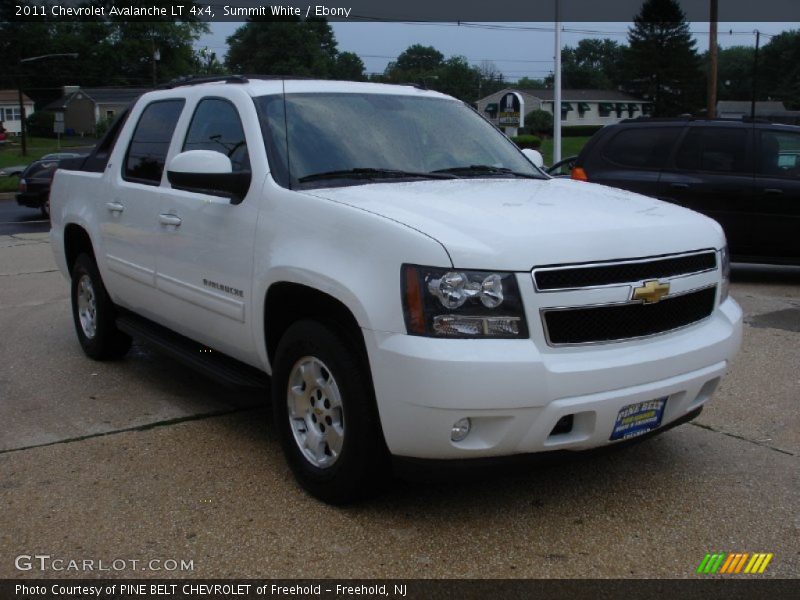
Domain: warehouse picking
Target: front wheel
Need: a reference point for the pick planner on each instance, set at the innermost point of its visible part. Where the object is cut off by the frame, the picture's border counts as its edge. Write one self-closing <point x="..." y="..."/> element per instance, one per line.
<point x="94" y="314"/>
<point x="325" y="414"/>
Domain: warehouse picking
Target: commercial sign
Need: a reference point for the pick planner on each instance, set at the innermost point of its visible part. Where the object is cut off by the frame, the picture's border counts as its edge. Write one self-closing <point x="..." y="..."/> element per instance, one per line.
<point x="512" y="110"/>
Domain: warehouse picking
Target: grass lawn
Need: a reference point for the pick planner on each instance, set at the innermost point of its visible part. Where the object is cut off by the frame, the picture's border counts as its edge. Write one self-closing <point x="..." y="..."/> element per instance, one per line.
<point x="11" y="154"/>
<point x="570" y="146"/>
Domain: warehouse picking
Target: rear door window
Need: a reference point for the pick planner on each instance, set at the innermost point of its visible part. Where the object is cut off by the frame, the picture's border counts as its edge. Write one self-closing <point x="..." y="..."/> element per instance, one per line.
<point x="641" y="147"/>
<point x="147" y="152"/>
<point x="779" y="154"/>
<point x="714" y="149"/>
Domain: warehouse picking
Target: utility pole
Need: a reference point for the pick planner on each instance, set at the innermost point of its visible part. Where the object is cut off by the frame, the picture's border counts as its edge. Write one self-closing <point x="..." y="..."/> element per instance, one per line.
<point x="557" y="92"/>
<point x="712" y="60"/>
<point x="755" y="77"/>
<point x="22" y="126"/>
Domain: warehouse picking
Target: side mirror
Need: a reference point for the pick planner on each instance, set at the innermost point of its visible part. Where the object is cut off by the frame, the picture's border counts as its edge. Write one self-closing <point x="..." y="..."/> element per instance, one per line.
<point x="208" y="172"/>
<point x="534" y="156"/>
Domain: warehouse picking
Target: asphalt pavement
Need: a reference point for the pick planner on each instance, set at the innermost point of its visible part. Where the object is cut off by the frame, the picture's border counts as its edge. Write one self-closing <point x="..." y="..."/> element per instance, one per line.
<point x="20" y="219"/>
<point x="141" y="459"/>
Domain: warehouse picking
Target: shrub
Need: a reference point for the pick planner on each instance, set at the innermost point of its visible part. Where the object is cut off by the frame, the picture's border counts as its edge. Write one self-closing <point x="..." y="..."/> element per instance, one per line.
<point x="539" y="121"/>
<point x="40" y="124"/>
<point x="102" y="126"/>
<point x="527" y="141"/>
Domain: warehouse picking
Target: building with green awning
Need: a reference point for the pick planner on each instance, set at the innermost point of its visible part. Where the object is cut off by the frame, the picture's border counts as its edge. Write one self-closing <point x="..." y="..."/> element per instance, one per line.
<point x="578" y="107"/>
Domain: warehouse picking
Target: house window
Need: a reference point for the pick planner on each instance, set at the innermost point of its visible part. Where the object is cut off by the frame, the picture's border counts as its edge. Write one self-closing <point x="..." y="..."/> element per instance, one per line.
<point x="632" y="109"/>
<point x="565" y="108"/>
<point x="583" y="108"/>
<point x="9" y="114"/>
<point x="605" y="108"/>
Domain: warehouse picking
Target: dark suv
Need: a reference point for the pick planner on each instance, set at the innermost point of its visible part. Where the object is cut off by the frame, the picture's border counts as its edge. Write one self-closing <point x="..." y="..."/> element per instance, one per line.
<point x="744" y="174"/>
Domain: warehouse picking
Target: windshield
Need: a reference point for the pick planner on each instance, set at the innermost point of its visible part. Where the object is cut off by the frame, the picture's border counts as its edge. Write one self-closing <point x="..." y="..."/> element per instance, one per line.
<point x="351" y="139"/>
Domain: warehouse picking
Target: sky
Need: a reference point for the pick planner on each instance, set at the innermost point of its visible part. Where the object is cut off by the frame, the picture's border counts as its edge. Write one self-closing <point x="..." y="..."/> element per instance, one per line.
<point x="516" y="49"/>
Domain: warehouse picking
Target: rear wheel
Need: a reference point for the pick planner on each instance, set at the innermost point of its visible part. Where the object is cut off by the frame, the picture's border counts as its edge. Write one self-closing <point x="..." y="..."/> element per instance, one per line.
<point x="325" y="413"/>
<point x="94" y="314"/>
<point x="45" y="208"/>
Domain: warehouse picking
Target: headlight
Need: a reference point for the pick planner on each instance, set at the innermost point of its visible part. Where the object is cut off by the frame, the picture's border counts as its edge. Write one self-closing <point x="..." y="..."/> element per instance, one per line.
<point x="462" y="304"/>
<point x="725" y="268"/>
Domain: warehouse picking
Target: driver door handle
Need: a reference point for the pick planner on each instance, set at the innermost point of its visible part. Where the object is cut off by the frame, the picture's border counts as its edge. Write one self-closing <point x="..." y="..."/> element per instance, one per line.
<point x="167" y="219"/>
<point x="115" y="207"/>
<point x="679" y="186"/>
<point x="773" y="191"/>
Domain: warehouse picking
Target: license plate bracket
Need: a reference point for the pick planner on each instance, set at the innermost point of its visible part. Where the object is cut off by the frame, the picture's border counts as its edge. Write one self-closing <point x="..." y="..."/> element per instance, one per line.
<point x="636" y="419"/>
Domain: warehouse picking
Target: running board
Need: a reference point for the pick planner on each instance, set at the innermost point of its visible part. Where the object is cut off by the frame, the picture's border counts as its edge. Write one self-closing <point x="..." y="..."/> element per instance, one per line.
<point x="219" y="367"/>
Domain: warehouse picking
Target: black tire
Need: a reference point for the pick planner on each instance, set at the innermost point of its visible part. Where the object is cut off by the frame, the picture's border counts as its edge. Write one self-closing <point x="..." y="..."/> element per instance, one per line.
<point x="45" y="208"/>
<point x="100" y="340"/>
<point x="362" y="461"/>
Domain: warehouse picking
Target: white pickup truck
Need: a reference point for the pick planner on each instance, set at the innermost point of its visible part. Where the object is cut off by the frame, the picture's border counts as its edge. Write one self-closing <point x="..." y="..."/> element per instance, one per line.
<point x="413" y="284"/>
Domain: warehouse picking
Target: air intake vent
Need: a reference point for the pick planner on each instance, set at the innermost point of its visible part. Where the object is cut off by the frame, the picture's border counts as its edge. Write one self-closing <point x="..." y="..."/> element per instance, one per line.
<point x="617" y="322"/>
<point x="560" y="278"/>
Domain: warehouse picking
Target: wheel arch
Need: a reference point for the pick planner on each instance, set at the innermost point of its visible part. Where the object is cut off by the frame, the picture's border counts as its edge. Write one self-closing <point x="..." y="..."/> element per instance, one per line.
<point x="77" y="241"/>
<point x="287" y="302"/>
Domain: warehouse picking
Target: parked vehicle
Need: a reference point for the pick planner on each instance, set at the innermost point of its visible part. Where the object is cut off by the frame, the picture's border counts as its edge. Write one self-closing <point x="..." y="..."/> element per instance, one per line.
<point x="743" y="174"/>
<point x="61" y="155"/>
<point x="412" y="293"/>
<point x="12" y="171"/>
<point x="36" y="178"/>
<point x="34" y="185"/>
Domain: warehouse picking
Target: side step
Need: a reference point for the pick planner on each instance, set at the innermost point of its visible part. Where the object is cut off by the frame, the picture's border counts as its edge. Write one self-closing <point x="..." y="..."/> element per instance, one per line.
<point x="222" y="369"/>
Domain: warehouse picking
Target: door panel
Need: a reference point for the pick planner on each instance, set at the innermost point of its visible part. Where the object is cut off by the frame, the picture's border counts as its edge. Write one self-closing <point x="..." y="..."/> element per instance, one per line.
<point x="777" y="196"/>
<point x="128" y="219"/>
<point x="205" y="266"/>
<point x="711" y="172"/>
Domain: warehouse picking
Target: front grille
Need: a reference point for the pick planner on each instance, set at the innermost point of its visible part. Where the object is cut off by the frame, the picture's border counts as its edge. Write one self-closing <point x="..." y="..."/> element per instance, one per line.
<point x="610" y="274"/>
<point x="616" y="322"/>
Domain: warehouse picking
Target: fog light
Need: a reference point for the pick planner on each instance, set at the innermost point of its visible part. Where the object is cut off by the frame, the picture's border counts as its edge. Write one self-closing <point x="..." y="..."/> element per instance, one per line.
<point x="460" y="429"/>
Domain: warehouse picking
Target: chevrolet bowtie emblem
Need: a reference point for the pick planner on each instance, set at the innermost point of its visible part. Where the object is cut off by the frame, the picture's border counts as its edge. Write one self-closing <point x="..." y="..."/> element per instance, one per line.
<point x="651" y="292"/>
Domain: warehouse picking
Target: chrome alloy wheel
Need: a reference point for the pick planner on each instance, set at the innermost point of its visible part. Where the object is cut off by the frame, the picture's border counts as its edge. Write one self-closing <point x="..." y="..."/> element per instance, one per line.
<point x="315" y="410"/>
<point x="87" y="306"/>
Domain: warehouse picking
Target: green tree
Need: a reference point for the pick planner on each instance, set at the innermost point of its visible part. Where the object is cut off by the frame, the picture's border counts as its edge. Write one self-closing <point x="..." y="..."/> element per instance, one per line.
<point x="526" y="83"/>
<point x="349" y="67"/>
<point x="734" y="72"/>
<point x="779" y="69"/>
<point x="539" y="122"/>
<point x="455" y="76"/>
<point x="491" y="79"/>
<point x="283" y="46"/>
<point x="110" y="53"/>
<point x="592" y="64"/>
<point x="207" y="63"/>
<point x="416" y="64"/>
<point x="458" y="78"/>
<point x="661" y="62"/>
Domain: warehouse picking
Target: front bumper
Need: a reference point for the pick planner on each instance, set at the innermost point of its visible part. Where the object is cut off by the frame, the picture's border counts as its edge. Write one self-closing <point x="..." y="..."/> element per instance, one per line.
<point x="515" y="393"/>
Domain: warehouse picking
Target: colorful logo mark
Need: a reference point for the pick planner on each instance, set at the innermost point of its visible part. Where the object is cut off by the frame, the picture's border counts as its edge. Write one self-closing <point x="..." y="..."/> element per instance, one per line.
<point x="733" y="563"/>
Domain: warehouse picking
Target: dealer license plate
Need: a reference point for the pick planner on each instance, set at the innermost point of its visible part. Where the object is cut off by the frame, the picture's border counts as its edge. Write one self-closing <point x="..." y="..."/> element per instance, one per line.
<point x="636" y="419"/>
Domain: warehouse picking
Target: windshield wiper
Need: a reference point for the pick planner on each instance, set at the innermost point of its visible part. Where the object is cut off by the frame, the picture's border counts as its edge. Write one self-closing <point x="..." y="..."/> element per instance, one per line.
<point x="372" y="173"/>
<point x="484" y="170"/>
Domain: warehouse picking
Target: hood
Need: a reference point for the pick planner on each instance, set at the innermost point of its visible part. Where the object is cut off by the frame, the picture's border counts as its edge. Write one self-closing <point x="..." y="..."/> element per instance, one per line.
<point x="516" y="224"/>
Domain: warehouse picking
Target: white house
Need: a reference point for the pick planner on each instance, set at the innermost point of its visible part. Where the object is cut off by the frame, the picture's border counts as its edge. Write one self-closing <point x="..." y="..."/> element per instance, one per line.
<point x="10" y="110"/>
<point x="578" y="107"/>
